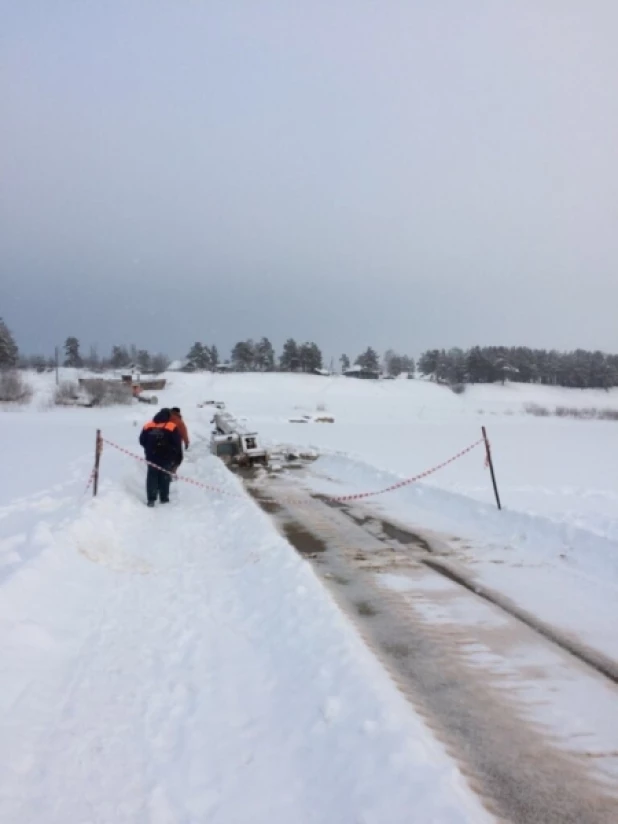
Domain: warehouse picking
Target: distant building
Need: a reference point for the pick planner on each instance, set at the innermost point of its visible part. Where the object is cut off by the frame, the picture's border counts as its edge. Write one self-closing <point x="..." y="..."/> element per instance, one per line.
<point x="363" y="373"/>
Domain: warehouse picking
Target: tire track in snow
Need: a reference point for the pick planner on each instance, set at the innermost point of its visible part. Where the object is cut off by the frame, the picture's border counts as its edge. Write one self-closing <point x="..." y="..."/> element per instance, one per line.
<point x="441" y="564"/>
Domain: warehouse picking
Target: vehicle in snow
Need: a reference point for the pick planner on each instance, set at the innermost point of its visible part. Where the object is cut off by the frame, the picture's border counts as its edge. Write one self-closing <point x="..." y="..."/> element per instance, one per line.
<point x="234" y="444"/>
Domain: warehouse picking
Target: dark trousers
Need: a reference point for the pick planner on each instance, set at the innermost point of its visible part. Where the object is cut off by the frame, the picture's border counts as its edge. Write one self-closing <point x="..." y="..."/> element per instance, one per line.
<point x="157" y="484"/>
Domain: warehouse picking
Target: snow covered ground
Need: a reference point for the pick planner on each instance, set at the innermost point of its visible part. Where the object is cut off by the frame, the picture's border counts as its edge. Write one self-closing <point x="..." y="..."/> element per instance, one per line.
<point x="554" y="547"/>
<point x="561" y="469"/>
<point x="184" y="665"/>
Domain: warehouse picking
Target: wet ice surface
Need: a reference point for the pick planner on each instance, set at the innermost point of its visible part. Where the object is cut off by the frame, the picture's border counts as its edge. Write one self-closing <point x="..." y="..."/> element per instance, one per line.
<point x="575" y="705"/>
<point x="450" y="652"/>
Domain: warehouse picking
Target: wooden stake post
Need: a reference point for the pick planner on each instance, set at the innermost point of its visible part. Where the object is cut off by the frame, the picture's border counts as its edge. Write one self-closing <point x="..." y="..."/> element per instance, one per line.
<point x="97" y="459"/>
<point x="490" y="463"/>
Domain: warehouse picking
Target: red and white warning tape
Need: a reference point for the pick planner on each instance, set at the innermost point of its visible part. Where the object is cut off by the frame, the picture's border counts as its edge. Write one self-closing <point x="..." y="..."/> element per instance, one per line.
<point x="407" y="481"/>
<point x="208" y="487"/>
<point x="336" y="498"/>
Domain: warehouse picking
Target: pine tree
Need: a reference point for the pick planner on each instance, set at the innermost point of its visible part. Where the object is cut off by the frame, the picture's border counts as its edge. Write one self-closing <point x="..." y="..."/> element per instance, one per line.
<point x="290" y="360"/>
<point x="144" y="361"/>
<point x="214" y="357"/>
<point x="609" y="377"/>
<point x="369" y="360"/>
<point x="9" y="352"/>
<point x="120" y="357"/>
<point x="600" y="373"/>
<point x="523" y="359"/>
<point x="196" y="357"/>
<point x="393" y="363"/>
<point x="71" y="351"/>
<point x="265" y="356"/>
<point x="309" y="357"/>
<point x="206" y="360"/>
<point x="454" y="366"/>
<point x="475" y="365"/>
<point x="315" y="356"/>
<point x="344" y="360"/>
<point x="428" y="362"/>
<point x="243" y="356"/>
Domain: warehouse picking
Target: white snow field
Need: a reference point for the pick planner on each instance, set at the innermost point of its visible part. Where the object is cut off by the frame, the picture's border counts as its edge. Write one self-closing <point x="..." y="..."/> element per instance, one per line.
<point x="554" y="547"/>
<point x="185" y="665"/>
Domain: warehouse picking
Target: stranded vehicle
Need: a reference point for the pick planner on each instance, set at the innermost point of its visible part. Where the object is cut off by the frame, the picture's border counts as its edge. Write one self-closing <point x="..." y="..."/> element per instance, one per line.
<point x="234" y="444"/>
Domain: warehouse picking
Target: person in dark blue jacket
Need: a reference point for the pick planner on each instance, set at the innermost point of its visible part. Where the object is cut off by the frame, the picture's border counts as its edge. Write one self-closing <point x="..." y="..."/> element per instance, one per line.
<point x="162" y="445"/>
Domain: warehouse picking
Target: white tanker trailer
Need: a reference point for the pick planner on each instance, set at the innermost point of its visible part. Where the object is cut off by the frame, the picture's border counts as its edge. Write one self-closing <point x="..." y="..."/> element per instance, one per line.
<point x="233" y="443"/>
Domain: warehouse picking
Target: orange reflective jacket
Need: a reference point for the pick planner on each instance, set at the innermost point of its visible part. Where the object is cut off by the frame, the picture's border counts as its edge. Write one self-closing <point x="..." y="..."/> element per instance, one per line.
<point x="170" y="426"/>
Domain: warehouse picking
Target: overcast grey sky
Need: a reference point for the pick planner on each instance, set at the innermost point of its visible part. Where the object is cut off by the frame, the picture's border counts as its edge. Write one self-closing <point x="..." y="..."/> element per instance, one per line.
<point x="406" y="173"/>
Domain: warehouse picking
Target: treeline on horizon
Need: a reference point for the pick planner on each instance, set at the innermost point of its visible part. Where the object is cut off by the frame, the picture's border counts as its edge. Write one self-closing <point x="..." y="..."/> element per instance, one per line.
<point x="246" y="356"/>
<point x="580" y="368"/>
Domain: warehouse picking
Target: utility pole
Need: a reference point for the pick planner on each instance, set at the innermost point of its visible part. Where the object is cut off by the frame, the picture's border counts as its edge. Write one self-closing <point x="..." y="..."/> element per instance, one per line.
<point x="57" y="357"/>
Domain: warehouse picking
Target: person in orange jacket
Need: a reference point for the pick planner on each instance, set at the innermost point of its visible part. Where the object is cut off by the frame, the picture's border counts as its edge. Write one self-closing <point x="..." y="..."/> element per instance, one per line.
<point x="176" y="418"/>
<point x="162" y="445"/>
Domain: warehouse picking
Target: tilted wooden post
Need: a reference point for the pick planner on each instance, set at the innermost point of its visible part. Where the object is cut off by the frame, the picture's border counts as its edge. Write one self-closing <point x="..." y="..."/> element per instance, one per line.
<point x="490" y="464"/>
<point x="97" y="459"/>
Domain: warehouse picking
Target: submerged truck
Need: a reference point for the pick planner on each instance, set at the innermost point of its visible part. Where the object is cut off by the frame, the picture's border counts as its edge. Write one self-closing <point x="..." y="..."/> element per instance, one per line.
<point x="234" y="444"/>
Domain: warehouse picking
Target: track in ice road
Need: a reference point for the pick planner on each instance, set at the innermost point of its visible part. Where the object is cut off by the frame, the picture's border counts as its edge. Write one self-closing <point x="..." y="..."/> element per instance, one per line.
<point x="530" y="716"/>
